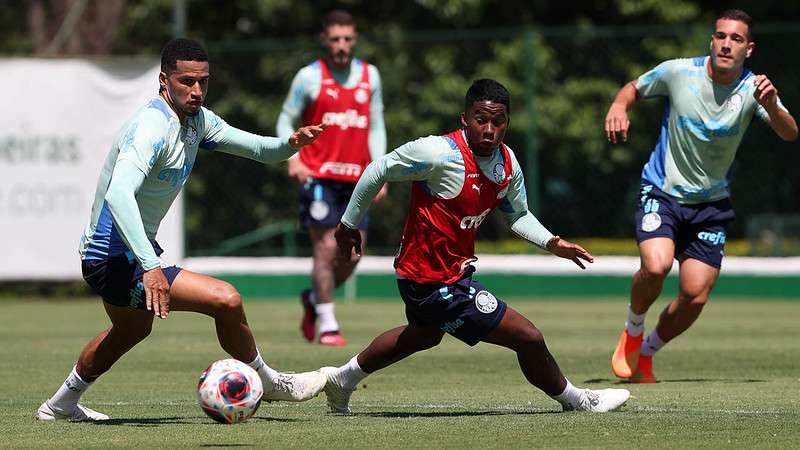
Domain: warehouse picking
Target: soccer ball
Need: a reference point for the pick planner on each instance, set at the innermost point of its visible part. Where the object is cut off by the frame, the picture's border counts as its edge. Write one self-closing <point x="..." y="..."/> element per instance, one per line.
<point x="229" y="391"/>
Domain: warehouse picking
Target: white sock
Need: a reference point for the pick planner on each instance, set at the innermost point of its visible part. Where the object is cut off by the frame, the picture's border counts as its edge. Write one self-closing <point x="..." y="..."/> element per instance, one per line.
<point x="635" y="323"/>
<point x="66" y="398"/>
<point x="570" y="397"/>
<point x="651" y="344"/>
<point x="327" y="320"/>
<point x="351" y="373"/>
<point x="265" y="372"/>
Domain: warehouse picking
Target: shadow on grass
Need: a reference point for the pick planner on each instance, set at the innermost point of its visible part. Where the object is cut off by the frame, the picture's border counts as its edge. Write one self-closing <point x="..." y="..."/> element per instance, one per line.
<point x="156" y="421"/>
<point x="227" y="445"/>
<point x="275" y="419"/>
<point x="411" y="415"/>
<point x="676" y="380"/>
<point x="143" y="421"/>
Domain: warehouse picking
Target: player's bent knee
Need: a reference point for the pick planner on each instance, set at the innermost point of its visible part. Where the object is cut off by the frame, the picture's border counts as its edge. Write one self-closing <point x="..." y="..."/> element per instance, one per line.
<point x="227" y="299"/>
<point x="531" y="336"/>
<point x="655" y="270"/>
<point x="231" y="301"/>
<point x="693" y="300"/>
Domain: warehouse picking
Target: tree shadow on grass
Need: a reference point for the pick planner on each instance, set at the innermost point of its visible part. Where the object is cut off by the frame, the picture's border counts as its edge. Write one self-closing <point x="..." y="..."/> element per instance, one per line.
<point x="417" y="414"/>
<point x="676" y="380"/>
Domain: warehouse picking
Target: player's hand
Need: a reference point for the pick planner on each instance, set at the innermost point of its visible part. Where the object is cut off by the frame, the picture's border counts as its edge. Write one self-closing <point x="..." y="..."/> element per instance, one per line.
<point x="568" y="250"/>
<point x="156" y="292"/>
<point x="347" y="240"/>
<point x="765" y="94"/>
<point x="617" y="123"/>
<point x="381" y="194"/>
<point x="298" y="170"/>
<point x="306" y="135"/>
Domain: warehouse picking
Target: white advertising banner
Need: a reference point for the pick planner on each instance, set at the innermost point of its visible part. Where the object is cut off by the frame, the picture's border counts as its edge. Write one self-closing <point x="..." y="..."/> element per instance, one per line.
<point x="57" y="123"/>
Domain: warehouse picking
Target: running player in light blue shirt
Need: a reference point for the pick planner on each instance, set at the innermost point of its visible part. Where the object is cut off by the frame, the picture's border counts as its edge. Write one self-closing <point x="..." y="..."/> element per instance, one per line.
<point x="684" y="208"/>
<point x="145" y="170"/>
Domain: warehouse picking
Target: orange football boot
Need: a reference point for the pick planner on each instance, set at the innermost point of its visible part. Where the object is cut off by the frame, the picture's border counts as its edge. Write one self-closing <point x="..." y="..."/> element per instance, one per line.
<point x="332" y="339"/>
<point x="626" y="355"/>
<point x="644" y="371"/>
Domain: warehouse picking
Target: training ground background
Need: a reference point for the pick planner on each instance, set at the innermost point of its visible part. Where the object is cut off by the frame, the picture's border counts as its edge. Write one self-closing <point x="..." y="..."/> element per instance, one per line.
<point x="732" y="381"/>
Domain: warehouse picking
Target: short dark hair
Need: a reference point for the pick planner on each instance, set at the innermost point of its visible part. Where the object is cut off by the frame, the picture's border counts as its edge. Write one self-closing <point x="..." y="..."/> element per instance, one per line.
<point x="181" y="49"/>
<point x="337" y="17"/>
<point x="487" y="89"/>
<point x="741" y="16"/>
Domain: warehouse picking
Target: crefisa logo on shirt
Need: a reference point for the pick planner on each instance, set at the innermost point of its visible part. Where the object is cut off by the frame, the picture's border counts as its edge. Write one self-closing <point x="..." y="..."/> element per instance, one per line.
<point x="474" y="221"/>
<point x="347" y="119"/>
<point x="734" y="103"/>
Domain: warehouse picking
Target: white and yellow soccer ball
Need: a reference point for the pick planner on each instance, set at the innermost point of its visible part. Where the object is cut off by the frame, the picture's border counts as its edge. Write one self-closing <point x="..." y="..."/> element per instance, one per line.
<point x="229" y="391"/>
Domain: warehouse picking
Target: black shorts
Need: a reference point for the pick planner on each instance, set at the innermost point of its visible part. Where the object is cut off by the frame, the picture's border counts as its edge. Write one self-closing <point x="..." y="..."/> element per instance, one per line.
<point x="464" y="309"/>
<point x="323" y="202"/>
<point x="119" y="280"/>
<point x="698" y="230"/>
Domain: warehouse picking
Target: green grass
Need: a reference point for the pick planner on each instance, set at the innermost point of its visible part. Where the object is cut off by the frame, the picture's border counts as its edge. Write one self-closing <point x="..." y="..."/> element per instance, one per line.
<point x="730" y="382"/>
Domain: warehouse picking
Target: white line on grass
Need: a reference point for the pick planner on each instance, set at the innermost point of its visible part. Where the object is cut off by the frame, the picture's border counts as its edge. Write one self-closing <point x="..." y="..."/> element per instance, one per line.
<point x="462" y="406"/>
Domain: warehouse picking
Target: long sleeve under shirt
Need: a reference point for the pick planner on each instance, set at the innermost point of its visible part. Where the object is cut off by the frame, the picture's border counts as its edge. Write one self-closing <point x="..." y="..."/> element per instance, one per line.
<point x="149" y="162"/>
<point x="432" y="160"/>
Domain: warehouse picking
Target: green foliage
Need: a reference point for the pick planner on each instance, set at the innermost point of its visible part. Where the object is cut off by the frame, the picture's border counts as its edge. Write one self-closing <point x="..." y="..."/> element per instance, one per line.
<point x="563" y="66"/>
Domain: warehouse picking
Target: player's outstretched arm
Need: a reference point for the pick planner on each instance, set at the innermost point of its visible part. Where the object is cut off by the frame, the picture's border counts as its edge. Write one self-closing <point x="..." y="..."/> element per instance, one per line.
<point x="617" y="123"/>
<point x="766" y="94"/>
<point x="569" y="250"/>
<point x="306" y="135"/>
<point x="265" y="149"/>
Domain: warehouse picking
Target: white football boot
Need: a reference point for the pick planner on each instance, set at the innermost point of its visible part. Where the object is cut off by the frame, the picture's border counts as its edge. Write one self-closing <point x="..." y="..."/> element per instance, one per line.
<point x="338" y="395"/>
<point x="601" y="400"/>
<point x="79" y="414"/>
<point x="295" y="387"/>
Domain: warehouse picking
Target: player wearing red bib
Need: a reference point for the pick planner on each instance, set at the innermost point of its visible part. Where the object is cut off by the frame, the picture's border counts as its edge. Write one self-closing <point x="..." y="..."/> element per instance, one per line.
<point x="345" y="93"/>
<point x="458" y="179"/>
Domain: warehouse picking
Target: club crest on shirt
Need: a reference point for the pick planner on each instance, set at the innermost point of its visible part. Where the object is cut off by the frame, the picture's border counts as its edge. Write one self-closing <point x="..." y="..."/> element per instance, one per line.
<point x="734" y="103"/>
<point x="191" y="135"/>
<point x="651" y="222"/>
<point x="485" y="302"/>
<point x="361" y="96"/>
<point x="499" y="172"/>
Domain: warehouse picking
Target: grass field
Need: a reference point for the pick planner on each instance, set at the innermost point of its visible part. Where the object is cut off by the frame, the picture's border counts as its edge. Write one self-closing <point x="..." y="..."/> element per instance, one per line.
<point x="731" y="382"/>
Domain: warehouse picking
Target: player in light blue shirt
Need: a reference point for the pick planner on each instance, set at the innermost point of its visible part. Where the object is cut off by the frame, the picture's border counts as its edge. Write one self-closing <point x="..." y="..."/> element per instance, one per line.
<point x="145" y="170"/>
<point x="684" y="207"/>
